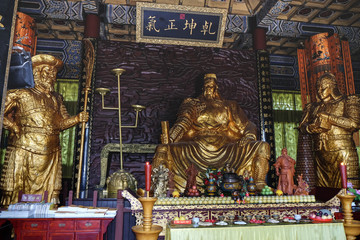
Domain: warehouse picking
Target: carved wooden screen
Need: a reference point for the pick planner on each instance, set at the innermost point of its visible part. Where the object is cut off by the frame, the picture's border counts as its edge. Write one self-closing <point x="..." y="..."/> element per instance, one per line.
<point x="160" y="77"/>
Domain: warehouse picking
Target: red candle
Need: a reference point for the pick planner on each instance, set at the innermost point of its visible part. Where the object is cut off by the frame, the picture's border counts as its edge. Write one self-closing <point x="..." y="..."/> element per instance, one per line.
<point x="147" y="176"/>
<point x="343" y="175"/>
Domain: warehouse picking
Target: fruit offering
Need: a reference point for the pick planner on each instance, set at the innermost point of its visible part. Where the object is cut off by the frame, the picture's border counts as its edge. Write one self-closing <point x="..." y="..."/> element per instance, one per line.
<point x="321" y="215"/>
<point x="279" y="192"/>
<point x="266" y="191"/>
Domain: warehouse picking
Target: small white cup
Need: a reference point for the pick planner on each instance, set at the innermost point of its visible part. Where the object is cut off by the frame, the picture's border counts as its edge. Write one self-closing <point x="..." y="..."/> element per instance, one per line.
<point x="195" y="220"/>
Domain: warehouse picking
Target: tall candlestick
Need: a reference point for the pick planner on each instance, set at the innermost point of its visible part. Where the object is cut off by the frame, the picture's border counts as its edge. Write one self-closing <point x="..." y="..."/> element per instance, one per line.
<point x="147" y="176"/>
<point x="343" y="175"/>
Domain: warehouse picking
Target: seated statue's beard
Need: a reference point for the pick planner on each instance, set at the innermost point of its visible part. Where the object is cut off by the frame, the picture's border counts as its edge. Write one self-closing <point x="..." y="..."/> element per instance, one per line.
<point x="209" y="96"/>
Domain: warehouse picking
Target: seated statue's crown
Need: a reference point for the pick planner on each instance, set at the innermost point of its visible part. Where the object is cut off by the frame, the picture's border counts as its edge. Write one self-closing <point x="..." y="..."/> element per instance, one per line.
<point x="210" y="75"/>
<point x="41" y="59"/>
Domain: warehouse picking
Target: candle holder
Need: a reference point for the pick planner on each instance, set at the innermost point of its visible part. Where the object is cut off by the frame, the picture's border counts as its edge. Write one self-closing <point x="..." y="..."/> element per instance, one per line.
<point x="352" y="227"/>
<point x="116" y="180"/>
<point x="147" y="231"/>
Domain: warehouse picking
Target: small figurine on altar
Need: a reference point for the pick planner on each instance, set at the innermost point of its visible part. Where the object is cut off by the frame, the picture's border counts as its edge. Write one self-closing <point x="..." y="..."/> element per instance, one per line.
<point x="246" y="175"/>
<point x="191" y="173"/>
<point x="302" y="188"/>
<point x="243" y="191"/>
<point x="285" y="169"/>
<point x="160" y="181"/>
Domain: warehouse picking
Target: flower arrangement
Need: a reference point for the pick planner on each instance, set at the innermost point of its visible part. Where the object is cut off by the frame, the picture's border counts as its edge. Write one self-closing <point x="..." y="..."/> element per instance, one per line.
<point x="212" y="178"/>
<point x="215" y="174"/>
<point x="353" y="191"/>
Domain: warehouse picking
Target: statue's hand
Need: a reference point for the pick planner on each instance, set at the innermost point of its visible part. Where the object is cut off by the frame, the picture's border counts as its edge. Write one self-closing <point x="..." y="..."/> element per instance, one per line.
<point x="323" y="117"/>
<point x="313" y="128"/>
<point x="16" y="129"/>
<point x="83" y="116"/>
<point x="323" y="120"/>
<point x="245" y="140"/>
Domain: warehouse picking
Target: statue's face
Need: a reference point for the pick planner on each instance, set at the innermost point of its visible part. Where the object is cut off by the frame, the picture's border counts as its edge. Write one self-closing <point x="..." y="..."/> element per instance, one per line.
<point x="210" y="89"/>
<point x="47" y="78"/>
<point x="325" y="91"/>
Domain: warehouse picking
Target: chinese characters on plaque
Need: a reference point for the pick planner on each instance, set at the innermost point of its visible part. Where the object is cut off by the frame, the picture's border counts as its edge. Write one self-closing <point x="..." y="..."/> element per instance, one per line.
<point x="180" y="25"/>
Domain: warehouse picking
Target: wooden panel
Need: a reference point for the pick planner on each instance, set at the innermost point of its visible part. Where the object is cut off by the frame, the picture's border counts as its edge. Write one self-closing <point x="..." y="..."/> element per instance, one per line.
<point x="40" y="235"/>
<point x="87" y="236"/>
<point x="34" y="225"/>
<point x="61" y="236"/>
<point x="87" y="225"/>
<point x="62" y="225"/>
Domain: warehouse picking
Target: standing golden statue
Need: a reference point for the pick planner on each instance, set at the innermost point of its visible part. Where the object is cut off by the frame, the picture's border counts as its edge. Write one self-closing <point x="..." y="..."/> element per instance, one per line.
<point x="212" y="132"/>
<point x="35" y="117"/>
<point x="332" y="120"/>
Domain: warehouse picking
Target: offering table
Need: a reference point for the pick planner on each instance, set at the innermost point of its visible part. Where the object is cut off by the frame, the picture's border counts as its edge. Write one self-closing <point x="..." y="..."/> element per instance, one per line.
<point x="162" y="214"/>
<point x="298" y="231"/>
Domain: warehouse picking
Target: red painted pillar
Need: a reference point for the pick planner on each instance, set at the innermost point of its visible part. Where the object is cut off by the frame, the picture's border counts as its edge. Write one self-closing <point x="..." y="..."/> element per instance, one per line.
<point x="25" y="33"/>
<point x="92" y="26"/>
<point x="259" y="39"/>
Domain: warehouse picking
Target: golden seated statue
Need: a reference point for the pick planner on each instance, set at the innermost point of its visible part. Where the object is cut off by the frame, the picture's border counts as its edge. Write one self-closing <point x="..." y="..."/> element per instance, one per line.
<point x="212" y="132"/>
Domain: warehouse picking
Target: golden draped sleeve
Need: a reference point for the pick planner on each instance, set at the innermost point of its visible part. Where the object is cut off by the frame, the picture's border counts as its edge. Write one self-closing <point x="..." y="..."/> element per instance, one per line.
<point x="351" y="118"/>
<point x="242" y="126"/>
<point x="184" y="120"/>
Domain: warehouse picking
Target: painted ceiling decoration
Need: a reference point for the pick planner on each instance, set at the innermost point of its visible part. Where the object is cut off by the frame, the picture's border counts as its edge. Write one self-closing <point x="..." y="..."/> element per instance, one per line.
<point x="287" y="22"/>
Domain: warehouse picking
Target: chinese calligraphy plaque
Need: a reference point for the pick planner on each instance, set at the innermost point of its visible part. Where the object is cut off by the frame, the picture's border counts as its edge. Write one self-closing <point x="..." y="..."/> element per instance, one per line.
<point x="180" y="25"/>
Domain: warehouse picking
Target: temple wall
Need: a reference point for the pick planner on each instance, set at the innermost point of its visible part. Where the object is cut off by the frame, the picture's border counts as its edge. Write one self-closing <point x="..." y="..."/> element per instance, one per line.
<point x="160" y="77"/>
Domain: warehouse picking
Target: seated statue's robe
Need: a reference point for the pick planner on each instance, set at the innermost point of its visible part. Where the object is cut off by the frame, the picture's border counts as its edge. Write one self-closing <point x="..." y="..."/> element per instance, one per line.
<point x="212" y="133"/>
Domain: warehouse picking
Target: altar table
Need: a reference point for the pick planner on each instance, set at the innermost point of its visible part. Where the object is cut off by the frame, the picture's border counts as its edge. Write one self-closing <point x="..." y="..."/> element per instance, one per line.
<point x="295" y="231"/>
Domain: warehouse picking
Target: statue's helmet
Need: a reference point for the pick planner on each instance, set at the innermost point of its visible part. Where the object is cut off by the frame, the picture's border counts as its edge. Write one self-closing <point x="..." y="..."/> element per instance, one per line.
<point x="210" y="76"/>
<point x="46" y="59"/>
<point x="326" y="79"/>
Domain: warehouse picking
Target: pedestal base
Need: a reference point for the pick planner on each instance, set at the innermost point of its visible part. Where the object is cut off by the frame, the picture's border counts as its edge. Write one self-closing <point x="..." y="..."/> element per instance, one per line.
<point x="352" y="230"/>
<point x="153" y="234"/>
